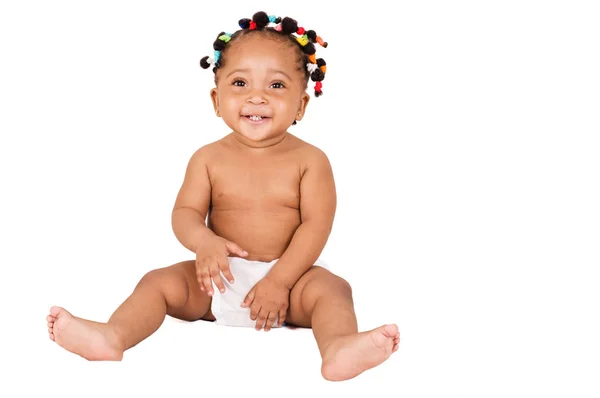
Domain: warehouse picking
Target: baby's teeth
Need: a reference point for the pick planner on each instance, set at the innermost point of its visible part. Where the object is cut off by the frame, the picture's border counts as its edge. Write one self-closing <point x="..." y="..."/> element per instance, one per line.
<point x="256" y="118"/>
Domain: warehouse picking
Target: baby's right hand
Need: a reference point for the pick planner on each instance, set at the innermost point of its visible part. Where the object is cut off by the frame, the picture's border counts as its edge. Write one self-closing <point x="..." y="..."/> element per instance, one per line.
<point x="211" y="260"/>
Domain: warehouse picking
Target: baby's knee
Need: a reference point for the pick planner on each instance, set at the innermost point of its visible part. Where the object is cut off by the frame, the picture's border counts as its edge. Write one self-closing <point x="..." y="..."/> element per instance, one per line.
<point x="342" y="285"/>
<point x="329" y="284"/>
<point x="171" y="284"/>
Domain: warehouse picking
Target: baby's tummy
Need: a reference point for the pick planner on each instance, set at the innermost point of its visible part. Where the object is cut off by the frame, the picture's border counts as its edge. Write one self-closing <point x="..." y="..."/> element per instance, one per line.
<point x="263" y="234"/>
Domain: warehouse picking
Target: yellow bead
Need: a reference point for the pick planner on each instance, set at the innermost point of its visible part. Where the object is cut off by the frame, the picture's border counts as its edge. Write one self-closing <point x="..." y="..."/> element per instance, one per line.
<point x="302" y="40"/>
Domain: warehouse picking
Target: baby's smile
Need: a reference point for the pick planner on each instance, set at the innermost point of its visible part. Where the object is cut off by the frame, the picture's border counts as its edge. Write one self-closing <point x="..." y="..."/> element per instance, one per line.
<point x="255" y="119"/>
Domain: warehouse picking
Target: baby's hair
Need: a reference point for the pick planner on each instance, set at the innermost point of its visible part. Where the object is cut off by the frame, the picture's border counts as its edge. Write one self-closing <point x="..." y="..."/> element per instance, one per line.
<point x="285" y="29"/>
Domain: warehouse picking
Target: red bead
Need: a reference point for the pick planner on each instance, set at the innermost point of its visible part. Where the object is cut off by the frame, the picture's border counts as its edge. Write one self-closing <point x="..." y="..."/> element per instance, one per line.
<point x="318" y="86"/>
<point x="252" y="25"/>
<point x="300" y="31"/>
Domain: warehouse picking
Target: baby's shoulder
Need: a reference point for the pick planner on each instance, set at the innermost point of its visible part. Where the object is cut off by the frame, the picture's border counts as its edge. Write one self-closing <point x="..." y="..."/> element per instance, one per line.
<point x="207" y="152"/>
<point x="307" y="151"/>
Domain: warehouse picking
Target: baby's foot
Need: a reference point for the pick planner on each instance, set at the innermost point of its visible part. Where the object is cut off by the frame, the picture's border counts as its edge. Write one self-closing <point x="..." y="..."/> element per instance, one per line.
<point x="92" y="340"/>
<point x="349" y="356"/>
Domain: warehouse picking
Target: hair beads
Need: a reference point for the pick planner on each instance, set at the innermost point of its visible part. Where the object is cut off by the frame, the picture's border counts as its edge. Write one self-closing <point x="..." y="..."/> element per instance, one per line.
<point x="218" y="45"/>
<point x="306" y="39"/>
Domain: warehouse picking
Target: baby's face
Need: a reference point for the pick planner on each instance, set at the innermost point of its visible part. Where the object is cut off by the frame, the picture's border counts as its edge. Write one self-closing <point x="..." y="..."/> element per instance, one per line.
<point x="260" y="89"/>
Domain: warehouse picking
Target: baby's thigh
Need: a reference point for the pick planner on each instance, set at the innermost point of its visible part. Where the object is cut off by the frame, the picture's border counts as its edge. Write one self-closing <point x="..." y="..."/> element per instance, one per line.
<point x="180" y="279"/>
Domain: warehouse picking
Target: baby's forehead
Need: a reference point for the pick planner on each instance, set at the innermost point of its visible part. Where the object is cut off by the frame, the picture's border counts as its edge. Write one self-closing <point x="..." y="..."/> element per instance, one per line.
<point x="262" y="52"/>
<point x="265" y="44"/>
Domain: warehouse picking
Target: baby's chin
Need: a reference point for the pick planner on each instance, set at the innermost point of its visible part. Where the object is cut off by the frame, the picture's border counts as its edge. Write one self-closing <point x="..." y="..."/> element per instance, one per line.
<point x="258" y="139"/>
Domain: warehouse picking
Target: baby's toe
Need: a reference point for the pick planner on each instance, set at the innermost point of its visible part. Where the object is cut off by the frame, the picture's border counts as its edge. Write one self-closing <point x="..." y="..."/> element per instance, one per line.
<point x="54" y="311"/>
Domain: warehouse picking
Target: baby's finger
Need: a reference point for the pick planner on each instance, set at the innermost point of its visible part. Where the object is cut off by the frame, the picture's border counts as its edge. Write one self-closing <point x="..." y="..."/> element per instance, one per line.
<point x="224" y="265"/>
<point x="249" y="299"/>
<point x="206" y="281"/>
<point x="254" y="310"/>
<point x="199" y="277"/>
<point x="234" y="248"/>
<point x="215" y="274"/>
<point x="270" y="319"/>
<point x="281" y="319"/>
<point x="262" y="318"/>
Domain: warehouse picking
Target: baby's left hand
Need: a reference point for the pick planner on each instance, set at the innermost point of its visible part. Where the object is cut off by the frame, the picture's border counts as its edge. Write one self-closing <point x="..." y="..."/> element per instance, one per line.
<point x="267" y="299"/>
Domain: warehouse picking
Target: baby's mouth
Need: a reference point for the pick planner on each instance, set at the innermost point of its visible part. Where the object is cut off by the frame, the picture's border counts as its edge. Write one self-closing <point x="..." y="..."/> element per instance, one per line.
<point x="255" y="118"/>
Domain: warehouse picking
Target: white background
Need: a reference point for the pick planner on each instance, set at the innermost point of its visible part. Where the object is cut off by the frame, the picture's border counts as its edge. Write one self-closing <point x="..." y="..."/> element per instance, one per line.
<point x="464" y="141"/>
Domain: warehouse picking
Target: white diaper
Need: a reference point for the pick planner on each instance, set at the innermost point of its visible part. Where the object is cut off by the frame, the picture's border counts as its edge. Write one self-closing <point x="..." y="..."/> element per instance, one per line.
<point x="226" y="306"/>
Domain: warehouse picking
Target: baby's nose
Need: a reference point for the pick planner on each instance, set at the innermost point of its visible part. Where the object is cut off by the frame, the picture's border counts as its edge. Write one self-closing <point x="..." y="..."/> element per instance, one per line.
<point x="257" y="97"/>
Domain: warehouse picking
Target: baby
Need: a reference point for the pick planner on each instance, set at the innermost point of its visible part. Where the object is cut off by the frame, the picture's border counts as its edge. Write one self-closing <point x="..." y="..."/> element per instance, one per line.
<point x="257" y="208"/>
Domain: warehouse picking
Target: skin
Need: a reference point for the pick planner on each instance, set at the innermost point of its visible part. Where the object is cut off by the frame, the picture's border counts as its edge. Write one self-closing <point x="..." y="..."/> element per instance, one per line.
<point x="266" y="195"/>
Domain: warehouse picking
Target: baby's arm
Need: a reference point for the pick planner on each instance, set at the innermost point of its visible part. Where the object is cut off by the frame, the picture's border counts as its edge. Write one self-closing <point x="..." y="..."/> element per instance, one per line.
<point x="317" y="211"/>
<point x="191" y="206"/>
<point x="189" y="224"/>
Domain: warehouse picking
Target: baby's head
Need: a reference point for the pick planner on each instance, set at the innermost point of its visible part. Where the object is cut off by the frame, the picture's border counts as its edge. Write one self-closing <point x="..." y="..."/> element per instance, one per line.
<point x="262" y="73"/>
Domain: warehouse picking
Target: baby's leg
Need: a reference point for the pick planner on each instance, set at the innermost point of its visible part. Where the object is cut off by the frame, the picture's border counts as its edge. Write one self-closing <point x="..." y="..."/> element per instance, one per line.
<point x="172" y="290"/>
<point x="323" y="301"/>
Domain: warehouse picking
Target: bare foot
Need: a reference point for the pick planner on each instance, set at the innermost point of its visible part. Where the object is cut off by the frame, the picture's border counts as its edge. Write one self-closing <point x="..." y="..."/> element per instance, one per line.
<point x="349" y="356"/>
<point x="93" y="341"/>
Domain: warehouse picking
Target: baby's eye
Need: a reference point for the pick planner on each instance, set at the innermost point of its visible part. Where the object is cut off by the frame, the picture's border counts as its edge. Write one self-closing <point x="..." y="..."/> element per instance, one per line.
<point x="239" y="83"/>
<point x="277" y="85"/>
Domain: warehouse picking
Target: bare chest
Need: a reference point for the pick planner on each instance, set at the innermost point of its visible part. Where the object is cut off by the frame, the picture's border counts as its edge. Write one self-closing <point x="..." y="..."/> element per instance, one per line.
<point x="255" y="186"/>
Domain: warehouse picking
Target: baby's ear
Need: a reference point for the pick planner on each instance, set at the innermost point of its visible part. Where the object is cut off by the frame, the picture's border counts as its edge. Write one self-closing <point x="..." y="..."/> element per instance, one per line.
<point x="303" y="104"/>
<point x="215" y="100"/>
